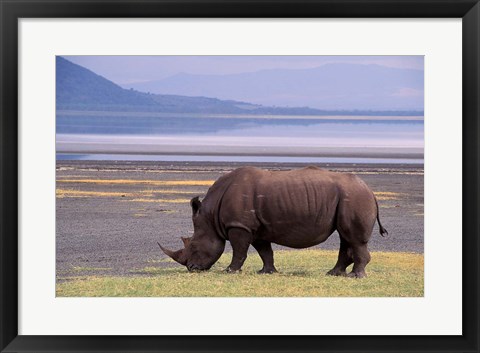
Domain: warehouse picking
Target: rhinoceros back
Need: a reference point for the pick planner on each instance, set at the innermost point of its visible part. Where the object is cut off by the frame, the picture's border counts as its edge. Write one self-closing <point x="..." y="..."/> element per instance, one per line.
<point x="295" y="208"/>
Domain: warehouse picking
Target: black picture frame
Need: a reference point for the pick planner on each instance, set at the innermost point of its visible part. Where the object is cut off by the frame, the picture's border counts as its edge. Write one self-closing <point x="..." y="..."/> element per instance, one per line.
<point x="12" y="11"/>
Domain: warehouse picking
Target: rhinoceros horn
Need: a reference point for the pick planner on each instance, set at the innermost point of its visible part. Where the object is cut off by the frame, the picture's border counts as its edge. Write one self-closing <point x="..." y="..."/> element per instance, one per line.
<point x="176" y="255"/>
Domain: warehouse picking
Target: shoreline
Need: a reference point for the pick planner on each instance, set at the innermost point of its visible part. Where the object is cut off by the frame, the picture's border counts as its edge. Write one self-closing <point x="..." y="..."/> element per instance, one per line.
<point x="73" y="113"/>
<point x="243" y="159"/>
<point x="266" y="152"/>
<point x="221" y="166"/>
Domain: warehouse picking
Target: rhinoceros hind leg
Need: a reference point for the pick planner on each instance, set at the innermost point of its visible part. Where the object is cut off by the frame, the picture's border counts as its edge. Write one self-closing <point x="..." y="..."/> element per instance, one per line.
<point x="264" y="249"/>
<point x="240" y="240"/>
<point x="361" y="257"/>
<point x="337" y="272"/>
<point x="231" y="270"/>
<point x="267" y="271"/>
<point x="345" y="259"/>
<point x="357" y="275"/>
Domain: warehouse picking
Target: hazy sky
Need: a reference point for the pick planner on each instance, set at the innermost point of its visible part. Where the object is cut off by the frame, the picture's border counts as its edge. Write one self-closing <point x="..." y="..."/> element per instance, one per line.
<point x="133" y="69"/>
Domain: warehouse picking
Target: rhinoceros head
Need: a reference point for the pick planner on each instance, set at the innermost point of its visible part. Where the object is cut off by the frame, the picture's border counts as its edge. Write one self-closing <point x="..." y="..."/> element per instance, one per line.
<point x="204" y="248"/>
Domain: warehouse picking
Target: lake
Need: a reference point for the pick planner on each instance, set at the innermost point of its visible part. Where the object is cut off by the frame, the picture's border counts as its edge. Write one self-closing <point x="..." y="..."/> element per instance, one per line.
<point x="127" y="136"/>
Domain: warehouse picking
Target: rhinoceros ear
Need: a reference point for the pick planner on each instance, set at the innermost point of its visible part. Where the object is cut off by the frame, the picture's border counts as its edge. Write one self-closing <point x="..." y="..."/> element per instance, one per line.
<point x="186" y="241"/>
<point x="195" y="203"/>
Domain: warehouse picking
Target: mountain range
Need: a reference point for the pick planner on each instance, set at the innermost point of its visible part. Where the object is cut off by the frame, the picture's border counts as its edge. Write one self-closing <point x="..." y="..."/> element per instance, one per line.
<point x="78" y="88"/>
<point x="341" y="86"/>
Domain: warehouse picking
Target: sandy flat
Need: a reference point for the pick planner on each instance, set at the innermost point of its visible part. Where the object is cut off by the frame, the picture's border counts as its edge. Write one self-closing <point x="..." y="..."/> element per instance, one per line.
<point x="111" y="214"/>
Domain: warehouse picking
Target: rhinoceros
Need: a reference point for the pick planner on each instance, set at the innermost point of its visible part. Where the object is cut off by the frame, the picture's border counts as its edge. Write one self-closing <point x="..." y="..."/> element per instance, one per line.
<point x="295" y="208"/>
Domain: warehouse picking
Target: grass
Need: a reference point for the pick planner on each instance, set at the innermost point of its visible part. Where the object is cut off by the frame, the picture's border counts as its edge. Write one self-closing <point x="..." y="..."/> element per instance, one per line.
<point x="302" y="274"/>
<point x="380" y="195"/>
<point x="140" y="182"/>
<point x="387" y="195"/>
<point x="61" y="193"/>
<point x="161" y="200"/>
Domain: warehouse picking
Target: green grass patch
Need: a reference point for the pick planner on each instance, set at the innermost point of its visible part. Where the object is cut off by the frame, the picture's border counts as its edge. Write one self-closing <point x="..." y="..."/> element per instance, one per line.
<point x="301" y="274"/>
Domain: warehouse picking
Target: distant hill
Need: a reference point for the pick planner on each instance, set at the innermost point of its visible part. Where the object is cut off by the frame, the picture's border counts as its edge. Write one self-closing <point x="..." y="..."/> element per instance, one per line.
<point x="78" y="88"/>
<point x="329" y="87"/>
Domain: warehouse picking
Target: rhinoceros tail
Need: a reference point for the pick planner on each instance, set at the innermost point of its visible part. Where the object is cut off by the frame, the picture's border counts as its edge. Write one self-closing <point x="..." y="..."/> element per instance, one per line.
<point x="383" y="231"/>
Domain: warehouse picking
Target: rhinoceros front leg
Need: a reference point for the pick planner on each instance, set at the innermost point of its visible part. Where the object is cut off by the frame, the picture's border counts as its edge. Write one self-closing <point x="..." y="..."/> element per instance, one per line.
<point x="264" y="249"/>
<point x="240" y="240"/>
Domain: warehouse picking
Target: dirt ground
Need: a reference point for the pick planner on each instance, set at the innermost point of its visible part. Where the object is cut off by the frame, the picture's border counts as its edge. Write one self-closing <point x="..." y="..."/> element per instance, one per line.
<point x="110" y="215"/>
